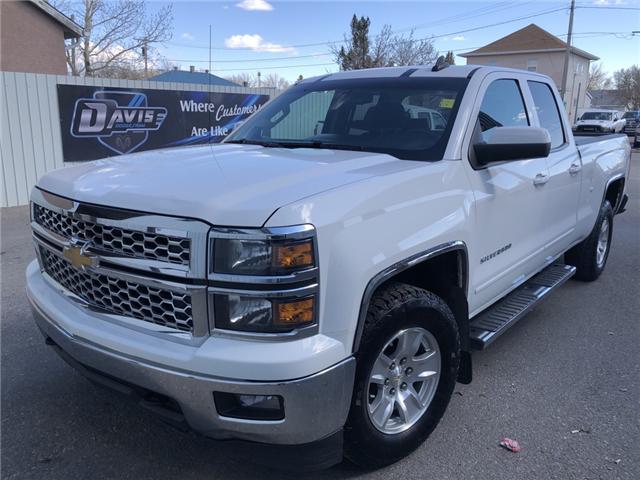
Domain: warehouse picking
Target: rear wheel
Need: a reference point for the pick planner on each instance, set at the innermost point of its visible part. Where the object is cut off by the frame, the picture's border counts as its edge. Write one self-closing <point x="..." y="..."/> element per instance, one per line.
<point x="590" y="256"/>
<point x="407" y="369"/>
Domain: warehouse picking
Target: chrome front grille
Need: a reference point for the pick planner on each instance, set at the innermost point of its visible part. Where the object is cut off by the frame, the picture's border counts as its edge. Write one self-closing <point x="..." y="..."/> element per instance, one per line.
<point x="139" y="269"/>
<point x="116" y="240"/>
<point x="160" y="306"/>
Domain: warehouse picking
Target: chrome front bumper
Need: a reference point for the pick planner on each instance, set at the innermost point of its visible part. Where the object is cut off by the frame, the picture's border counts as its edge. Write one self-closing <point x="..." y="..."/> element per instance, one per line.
<point x="315" y="406"/>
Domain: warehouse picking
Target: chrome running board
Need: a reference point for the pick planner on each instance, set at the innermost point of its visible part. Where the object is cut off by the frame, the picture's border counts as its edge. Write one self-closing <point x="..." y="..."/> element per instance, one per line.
<point x="494" y="321"/>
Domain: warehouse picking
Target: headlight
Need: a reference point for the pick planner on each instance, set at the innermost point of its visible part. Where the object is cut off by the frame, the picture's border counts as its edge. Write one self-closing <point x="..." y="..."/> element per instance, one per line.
<point x="263" y="315"/>
<point x="262" y="257"/>
<point x="245" y="267"/>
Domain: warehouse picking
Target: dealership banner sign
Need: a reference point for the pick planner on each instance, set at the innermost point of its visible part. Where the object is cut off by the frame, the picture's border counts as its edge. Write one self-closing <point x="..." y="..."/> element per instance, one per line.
<point x="102" y="121"/>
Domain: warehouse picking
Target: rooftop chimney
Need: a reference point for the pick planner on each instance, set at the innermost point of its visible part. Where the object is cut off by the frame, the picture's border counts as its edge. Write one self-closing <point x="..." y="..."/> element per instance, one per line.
<point x="192" y="68"/>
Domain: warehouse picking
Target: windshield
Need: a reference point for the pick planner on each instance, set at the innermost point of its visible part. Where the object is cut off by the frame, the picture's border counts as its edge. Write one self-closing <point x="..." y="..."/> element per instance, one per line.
<point x="409" y="118"/>
<point x="596" y="116"/>
<point x="630" y="114"/>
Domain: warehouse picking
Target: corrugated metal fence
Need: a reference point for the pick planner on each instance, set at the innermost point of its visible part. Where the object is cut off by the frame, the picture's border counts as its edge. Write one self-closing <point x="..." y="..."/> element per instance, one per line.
<point x="30" y="137"/>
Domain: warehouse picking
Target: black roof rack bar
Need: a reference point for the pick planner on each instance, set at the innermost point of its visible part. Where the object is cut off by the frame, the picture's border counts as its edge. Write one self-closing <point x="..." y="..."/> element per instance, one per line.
<point x="409" y="72"/>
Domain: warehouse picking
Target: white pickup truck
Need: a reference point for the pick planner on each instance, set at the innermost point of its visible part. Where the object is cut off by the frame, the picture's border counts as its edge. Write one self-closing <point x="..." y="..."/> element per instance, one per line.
<point x="600" y="121"/>
<point x="318" y="282"/>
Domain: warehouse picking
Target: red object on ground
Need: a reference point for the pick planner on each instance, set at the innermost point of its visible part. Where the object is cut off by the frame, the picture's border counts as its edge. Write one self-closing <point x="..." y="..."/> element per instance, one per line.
<point x="510" y="445"/>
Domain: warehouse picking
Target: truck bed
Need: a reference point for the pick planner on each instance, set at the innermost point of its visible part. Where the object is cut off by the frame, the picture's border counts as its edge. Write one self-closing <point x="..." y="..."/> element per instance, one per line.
<point x="583" y="138"/>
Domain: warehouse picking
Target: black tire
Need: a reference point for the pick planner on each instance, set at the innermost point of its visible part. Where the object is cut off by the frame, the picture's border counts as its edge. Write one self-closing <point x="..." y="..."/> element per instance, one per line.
<point x="393" y="308"/>
<point x="584" y="255"/>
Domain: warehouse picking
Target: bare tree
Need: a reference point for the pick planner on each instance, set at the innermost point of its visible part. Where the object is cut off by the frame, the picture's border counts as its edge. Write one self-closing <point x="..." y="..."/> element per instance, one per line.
<point x="382" y="48"/>
<point x="119" y="34"/>
<point x="411" y="51"/>
<point x="250" y="80"/>
<point x="276" y="81"/>
<point x="243" y="79"/>
<point x="598" y="78"/>
<point x="628" y="84"/>
<point x="386" y="49"/>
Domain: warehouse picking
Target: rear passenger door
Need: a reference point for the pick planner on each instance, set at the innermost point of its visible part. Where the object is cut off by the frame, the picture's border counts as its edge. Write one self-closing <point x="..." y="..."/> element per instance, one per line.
<point x="509" y="198"/>
<point x="562" y="191"/>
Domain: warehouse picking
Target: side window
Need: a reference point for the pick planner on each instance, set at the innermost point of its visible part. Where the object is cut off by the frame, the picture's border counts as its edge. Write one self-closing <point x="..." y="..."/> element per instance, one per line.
<point x="502" y="106"/>
<point x="548" y="113"/>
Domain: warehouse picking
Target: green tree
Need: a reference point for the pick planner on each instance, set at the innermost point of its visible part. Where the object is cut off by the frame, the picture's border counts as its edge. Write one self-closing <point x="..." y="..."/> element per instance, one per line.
<point x="449" y="58"/>
<point x="384" y="50"/>
<point x="355" y="54"/>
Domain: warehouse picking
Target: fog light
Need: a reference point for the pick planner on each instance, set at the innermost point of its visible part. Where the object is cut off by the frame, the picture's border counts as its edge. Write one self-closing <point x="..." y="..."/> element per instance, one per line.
<point x="249" y="407"/>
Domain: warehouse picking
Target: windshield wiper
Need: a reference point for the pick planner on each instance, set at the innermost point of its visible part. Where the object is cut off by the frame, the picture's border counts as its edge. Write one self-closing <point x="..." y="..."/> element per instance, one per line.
<point x="337" y="146"/>
<point x="314" y="144"/>
<point x="262" y="143"/>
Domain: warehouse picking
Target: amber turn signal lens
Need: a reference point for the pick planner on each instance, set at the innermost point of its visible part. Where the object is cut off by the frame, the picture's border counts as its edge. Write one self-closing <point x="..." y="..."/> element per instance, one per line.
<point x="295" y="313"/>
<point x="294" y="255"/>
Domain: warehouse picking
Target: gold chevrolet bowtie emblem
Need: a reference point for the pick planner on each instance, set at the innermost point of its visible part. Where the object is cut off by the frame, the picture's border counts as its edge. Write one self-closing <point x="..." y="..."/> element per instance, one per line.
<point x="78" y="257"/>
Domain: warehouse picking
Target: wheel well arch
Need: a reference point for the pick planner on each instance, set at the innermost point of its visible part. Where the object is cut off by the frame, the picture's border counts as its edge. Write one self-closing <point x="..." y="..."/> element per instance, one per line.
<point x="442" y="270"/>
<point x="614" y="192"/>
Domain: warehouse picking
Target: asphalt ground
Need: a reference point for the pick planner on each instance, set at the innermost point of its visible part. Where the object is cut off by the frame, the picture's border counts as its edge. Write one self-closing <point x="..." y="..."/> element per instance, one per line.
<point x="564" y="382"/>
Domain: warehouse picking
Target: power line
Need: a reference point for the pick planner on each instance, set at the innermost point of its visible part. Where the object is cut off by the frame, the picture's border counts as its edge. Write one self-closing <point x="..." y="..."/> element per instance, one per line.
<point x="324" y="54"/>
<point x="332" y="42"/>
<point x="453" y="18"/>
<point x="280" y="67"/>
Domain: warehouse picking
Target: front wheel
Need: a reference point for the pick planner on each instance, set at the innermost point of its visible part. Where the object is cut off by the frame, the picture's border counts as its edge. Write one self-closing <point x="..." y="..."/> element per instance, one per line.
<point x="407" y="369"/>
<point x="590" y="256"/>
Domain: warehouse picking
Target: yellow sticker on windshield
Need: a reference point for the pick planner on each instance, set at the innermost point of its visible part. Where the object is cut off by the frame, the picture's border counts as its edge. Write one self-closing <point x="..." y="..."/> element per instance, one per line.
<point x="447" y="103"/>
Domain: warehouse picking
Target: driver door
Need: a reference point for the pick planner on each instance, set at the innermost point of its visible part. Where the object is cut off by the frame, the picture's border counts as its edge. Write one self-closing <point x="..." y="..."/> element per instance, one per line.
<point x="509" y="199"/>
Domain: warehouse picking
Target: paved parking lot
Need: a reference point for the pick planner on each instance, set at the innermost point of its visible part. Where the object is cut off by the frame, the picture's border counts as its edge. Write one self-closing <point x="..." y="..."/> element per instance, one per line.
<point x="565" y="383"/>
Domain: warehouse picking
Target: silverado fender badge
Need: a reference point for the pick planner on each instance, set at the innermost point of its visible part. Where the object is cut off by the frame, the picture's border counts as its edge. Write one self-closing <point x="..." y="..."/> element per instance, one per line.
<point x="79" y="257"/>
<point x="495" y="254"/>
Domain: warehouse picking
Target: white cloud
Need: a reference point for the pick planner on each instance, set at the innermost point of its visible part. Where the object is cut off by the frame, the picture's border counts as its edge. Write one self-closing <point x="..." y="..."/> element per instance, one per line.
<point x="188" y="36"/>
<point x="609" y="2"/>
<point x="458" y="38"/>
<point x="261" y="5"/>
<point x="254" y="42"/>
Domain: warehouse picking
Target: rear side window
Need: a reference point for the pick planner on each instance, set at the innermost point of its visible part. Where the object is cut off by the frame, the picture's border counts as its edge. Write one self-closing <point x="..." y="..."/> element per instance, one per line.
<point x="548" y="113"/>
<point x="502" y="106"/>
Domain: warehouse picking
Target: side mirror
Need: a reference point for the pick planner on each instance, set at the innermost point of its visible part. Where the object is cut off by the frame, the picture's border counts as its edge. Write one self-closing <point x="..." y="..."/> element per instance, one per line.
<point x="502" y="144"/>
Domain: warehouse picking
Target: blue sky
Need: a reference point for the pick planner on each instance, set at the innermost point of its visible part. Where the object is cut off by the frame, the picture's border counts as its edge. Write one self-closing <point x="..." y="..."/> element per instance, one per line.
<point x="275" y="36"/>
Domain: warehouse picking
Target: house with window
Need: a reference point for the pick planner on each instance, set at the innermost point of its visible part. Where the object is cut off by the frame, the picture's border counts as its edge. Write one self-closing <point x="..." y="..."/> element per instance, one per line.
<point x="32" y="37"/>
<point x="536" y="50"/>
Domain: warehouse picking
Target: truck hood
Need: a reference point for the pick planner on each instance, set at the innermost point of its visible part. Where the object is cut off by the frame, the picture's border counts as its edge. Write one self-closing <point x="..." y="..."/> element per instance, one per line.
<point x="233" y="185"/>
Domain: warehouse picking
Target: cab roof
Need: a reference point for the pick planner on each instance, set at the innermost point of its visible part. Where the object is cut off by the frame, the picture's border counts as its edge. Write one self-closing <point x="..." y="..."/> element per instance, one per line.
<point x="415" y="71"/>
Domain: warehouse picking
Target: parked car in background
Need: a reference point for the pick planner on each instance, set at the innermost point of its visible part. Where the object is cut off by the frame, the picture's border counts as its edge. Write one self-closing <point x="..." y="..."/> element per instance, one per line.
<point x="631" y="121"/>
<point x="600" y="121"/>
<point x="636" y="137"/>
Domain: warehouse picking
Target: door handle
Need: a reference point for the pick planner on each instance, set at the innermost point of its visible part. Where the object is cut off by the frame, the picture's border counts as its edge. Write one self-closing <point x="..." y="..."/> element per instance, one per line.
<point x="541" y="179"/>
<point x="575" y="168"/>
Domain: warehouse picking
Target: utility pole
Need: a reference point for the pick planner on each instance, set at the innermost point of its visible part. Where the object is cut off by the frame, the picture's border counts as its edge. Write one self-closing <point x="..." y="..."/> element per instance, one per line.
<point x="567" y="54"/>
<point x="259" y="74"/>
